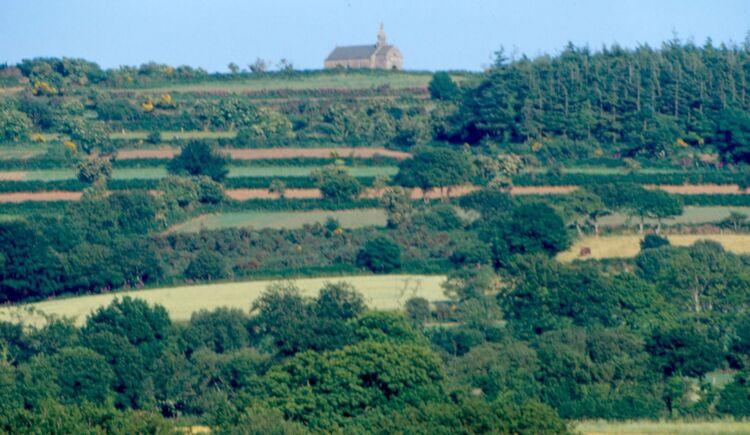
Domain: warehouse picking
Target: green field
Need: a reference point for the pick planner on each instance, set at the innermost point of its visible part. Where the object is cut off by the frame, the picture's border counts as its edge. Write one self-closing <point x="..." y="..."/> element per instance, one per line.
<point x="344" y="80"/>
<point x="289" y="219"/>
<point x="175" y="135"/>
<point x="304" y="171"/>
<point x="691" y="215"/>
<point x="21" y="151"/>
<point x="156" y="172"/>
<point x="625" y="246"/>
<point x="644" y="427"/>
<point x="382" y="292"/>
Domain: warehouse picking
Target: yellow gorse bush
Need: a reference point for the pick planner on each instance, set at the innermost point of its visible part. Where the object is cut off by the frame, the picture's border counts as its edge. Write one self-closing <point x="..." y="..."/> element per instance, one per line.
<point x="70" y="145"/>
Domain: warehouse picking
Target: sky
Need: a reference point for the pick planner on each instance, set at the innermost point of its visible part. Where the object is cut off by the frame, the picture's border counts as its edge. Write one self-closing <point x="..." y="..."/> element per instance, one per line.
<point x="431" y="34"/>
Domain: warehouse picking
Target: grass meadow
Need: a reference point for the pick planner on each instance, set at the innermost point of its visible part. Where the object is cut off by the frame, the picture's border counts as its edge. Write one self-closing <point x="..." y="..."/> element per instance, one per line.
<point x="283" y="219"/>
<point x="381" y="292"/>
<point x="643" y="427"/>
<point x="625" y="246"/>
<point x="156" y="172"/>
<point x="271" y="82"/>
<point x="690" y="215"/>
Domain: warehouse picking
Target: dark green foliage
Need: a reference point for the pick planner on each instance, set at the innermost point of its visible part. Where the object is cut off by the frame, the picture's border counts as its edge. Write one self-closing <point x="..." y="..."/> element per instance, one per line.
<point x="146" y="327"/>
<point x="384" y="375"/>
<point x="336" y="184"/>
<point x="653" y="241"/>
<point x="442" y="87"/>
<point x="734" y="399"/>
<point x="221" y="330"/>
<point x="199" y="158"/>
<point x="441" y="217"/>
<point x="529" y="229"/>
<point x="82" y="375"/>
<point x="490" y="203"/>
<point x="28" y="268"/>
<point x="440" y="167"/>
<point x="685" y="350"/>
<point x="733" y="131"/>
<point x="380" y="255"/>
<point x="471" y="250"/>
<point x="339" y="301"/>
<point x="642" y="101"/>
<point x="206" y="266"/>
<point x="418" y="310"/>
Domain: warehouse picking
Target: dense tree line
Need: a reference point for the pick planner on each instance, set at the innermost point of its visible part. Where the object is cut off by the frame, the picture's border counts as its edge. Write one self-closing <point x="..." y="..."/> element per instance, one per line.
<point x="294" y="364"/>
<point x="642" y="101"/>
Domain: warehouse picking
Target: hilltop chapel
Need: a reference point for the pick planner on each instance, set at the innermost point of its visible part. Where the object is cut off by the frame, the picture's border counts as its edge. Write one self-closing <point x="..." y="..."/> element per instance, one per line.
<point x="378" y="56"/>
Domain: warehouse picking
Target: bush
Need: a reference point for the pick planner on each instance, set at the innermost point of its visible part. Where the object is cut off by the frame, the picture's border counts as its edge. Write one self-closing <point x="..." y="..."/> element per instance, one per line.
<point x="652" y="241"/>
<point x="336" y="184"/>
<point x="442" y="87"/>
<point x="14" y="125"/>
<point x="206" y="266"/>
<point x="380" y="255"/>
<point x="93" y="170"/>
<point x="199" y="158"/>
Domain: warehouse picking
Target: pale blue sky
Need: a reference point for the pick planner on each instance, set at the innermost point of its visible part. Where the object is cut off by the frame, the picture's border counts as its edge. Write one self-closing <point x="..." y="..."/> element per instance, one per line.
<point x="432" y="34"/>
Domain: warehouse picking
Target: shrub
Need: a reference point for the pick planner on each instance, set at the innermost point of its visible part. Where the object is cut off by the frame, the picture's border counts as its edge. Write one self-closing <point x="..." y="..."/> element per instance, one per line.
<point x="14" y="125"/>
<point x="206" y="266"/>
<point x="154" y="137"/>
<point x="442" y="87"/>
<point x="380" y="255"/>
<point x="336" y="184"/>
<point x="199" y="158"/>
<point x="652" y="241"/>
<point x="93" y="170"/>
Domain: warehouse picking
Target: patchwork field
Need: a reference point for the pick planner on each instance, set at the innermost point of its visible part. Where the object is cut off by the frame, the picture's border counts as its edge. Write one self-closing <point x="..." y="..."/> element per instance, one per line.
<point x="690" y="215"/>
<point x="642" y="427"/>
<point x="288" y="220"/>
<point x="269" y="153"/>
<point x="349" y="80"/>
<point x="156" y="172"/>
<point x="382" y="292"/>
<point x="624" y="246"/>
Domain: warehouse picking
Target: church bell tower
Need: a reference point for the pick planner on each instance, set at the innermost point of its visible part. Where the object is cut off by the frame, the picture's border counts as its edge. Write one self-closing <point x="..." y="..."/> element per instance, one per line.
<point x="381" y="36"/>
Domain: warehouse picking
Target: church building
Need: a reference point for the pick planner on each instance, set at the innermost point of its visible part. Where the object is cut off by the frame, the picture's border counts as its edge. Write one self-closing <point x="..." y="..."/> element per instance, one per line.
<point x="378" y="56"/>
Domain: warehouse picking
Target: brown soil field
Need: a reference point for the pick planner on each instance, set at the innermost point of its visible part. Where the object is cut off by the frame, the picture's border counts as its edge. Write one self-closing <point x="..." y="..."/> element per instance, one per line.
<point x="52" y="195"/>
<point x="542" y="190"/>
<point x="697" y="189"/>
<point x="245" y="194"/>
<point x="12" y="175"/>
<point x="268" y="153"/>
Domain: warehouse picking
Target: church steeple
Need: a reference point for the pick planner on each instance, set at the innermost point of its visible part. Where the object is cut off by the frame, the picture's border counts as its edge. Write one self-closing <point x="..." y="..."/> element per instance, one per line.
<point x="381" y="36"/>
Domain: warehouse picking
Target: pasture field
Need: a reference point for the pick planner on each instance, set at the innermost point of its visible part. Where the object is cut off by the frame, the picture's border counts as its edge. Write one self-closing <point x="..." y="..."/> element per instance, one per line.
<point x="156" y="172"/>
<point x="287" y="220"/>
<point x="645" y="427"/>
<point x="625" y="246"/>
<point x="304" y="171"/>
<point x="345" y="80"/>
<point x="690" y="215"/>
<point x="381" y="292"/>
<point x="167" y="152"/>
<point x="175" y="135"/>
<point x="21" y="151"/>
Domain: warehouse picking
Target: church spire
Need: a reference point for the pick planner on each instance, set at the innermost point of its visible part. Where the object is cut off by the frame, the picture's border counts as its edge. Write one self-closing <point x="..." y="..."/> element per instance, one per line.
<point x="381" y="36"/>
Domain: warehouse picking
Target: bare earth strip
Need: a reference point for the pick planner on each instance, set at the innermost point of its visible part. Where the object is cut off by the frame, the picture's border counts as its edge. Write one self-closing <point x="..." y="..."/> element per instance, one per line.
<point x="52" y="195"/>
<point x="246" y="194"/>
<point x="698" y="189"/>
<point x="382" y="292"/>
<point x="12" y="175"/>
<point x="269" y="153"/>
